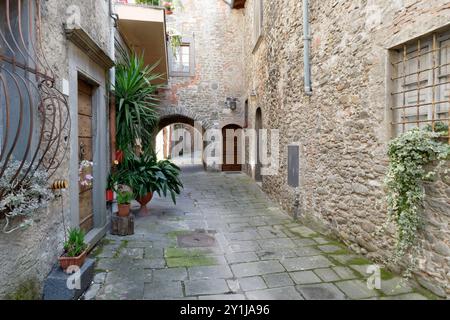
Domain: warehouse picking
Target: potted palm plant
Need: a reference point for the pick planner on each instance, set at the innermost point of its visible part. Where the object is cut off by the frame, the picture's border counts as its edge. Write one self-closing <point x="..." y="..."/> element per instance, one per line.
<point x="75" y="250"/>
<point x="124" y="203"/>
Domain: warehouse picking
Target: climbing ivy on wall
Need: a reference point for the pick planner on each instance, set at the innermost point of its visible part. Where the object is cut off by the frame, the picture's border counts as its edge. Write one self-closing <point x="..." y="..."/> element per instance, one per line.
<point x="410" y="154"/>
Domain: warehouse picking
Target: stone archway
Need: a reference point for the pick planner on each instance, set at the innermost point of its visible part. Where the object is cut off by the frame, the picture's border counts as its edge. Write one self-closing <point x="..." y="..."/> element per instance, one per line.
<point x="170" y="116"/>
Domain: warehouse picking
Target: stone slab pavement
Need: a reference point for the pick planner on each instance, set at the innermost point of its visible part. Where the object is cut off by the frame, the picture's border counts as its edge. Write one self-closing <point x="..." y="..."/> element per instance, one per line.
<point x="258" y="252"/>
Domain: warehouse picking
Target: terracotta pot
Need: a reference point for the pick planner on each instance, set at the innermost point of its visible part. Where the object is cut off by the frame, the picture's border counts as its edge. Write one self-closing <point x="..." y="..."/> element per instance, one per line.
<point x="66" y="262"/>
<point x="169" y="12"/>
<point x="124" y="210"/>
<point x="119" y="156"/>
<point x="143" y="201"/>
<point x="109" y="195"/>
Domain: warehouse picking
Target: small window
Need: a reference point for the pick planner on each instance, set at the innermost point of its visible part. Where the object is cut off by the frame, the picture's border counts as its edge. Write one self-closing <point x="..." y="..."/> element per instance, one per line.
<point x="182" y="63"/>
<point x="181" y="59"/>
<point x="421" y="84"/>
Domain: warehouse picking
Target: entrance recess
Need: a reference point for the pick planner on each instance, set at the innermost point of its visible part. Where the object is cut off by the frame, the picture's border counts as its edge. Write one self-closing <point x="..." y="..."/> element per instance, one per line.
<point x="258" y="127"/>
<point x="85" y="141"/>
<point x="230" y="152"/>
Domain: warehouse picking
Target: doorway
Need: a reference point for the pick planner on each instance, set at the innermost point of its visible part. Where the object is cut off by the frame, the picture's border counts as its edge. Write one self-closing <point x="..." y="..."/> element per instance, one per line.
<point x="233" y="153"/>
<point x="85" y="153"/>
<point x="258" y="127"/>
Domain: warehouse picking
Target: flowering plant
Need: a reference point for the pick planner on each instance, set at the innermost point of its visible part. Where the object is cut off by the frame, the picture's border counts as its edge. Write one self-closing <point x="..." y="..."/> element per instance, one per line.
<point x="22" y="197"/>
<point x="168" y="5"/>
<point x="85" y="173"/>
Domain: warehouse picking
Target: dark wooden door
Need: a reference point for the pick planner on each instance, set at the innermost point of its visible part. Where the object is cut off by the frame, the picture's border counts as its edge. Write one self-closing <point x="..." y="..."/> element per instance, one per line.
<point x="258" y="127"/>
<point x="229" y="152"/>
<point x="85" y="141"/>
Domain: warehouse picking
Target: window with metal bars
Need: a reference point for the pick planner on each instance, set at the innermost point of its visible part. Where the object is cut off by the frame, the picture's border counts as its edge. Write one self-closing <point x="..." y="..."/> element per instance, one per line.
<point x="421" y="84"/>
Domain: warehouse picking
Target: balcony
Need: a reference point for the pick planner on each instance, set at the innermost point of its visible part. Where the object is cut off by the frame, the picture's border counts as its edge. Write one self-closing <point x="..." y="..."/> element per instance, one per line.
<point x="143" y="28"/>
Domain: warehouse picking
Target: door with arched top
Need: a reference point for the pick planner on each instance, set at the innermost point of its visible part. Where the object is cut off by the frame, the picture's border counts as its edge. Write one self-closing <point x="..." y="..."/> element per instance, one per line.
<point x="231" y="149"/>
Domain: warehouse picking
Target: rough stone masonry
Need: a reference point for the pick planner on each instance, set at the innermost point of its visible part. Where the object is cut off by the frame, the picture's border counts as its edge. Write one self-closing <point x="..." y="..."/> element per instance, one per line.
<point x="27" y="256"/>
<point x="344" y="127"/>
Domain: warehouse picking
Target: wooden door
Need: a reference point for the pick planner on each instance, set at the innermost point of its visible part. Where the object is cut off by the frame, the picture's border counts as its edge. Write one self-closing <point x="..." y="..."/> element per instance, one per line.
<point x="85" y="141"/>
<point x="230" y="152"/>
<point x="258" y="127"/>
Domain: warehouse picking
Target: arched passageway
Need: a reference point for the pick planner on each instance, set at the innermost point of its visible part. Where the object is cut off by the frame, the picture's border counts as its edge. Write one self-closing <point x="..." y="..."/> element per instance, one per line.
<point x="179" y="138"/>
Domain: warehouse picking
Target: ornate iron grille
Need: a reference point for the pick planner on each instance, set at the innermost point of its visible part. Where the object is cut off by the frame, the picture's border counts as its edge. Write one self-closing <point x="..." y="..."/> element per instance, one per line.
<point x="421" y="78"/>
<point x="34" y="115"/>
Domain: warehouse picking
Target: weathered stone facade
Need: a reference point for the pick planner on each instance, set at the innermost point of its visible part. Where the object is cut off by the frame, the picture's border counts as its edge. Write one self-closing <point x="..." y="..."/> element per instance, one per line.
<point x="28" y="255"/>
<point x="344" y="127"/>
<point x="219" y="73"/>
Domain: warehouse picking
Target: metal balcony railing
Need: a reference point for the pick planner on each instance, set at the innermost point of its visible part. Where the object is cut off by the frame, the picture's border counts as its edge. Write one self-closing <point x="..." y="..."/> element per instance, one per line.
<point x="34" y="115"/>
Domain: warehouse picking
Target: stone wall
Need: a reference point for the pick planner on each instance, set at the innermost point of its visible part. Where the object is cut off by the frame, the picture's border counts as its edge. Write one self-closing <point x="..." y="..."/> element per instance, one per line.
<point x="343" y="129"/>
<point x="218" y="42"/>
<point x="30" y="254"/>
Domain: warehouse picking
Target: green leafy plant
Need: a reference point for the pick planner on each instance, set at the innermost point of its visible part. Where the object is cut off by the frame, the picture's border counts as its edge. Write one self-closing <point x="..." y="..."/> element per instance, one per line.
<point x="410" y="154"/>
<point x="136" y="101"/>
<point x="124" y="197"/>
<point x="175" y="41"/>
<point x="149" y="2"/>
<point x="75" y="244"/>
<point x="439" y="127"/>
<point x="144" y="174"/>
<point x="168" y="179"/>
<point x="168" y="5"/>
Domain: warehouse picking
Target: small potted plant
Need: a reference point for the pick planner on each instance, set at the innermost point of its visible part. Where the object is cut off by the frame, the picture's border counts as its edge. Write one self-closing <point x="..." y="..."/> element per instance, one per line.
<point x="111" y="187"/>
<point x="168" y="7"/>
<point x="124" y="201"/>
<point x="75" y="250"/>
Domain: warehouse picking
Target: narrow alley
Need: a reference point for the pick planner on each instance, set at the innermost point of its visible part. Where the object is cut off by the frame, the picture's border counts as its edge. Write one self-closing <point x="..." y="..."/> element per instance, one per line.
<point x="225" y="240"/>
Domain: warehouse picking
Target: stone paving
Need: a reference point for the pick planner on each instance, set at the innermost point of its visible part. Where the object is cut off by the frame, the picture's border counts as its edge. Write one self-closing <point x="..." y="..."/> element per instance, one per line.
<point x="258" y="253"/>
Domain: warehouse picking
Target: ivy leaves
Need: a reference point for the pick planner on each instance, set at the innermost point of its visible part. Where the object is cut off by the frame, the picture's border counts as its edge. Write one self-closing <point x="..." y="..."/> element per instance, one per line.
<point x="410" y="154"/>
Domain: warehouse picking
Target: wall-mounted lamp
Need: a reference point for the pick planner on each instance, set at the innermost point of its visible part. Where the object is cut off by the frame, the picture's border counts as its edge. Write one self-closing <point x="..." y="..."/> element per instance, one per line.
<point x="232" y="103"/>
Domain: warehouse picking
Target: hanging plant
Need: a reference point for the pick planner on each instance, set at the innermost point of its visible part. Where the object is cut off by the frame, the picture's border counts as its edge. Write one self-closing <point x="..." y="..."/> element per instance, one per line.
<point x="409" y="155"/>
<point x="22" y="197"/>
<point x="175" y="40"/>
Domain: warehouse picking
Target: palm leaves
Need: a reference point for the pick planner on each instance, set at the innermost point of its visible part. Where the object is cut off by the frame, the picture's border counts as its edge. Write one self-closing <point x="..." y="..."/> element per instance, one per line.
<point x="136" y="100"/>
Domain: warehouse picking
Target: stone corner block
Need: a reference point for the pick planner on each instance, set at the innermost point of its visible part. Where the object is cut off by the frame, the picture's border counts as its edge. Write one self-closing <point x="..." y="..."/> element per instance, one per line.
<point x="55" y="286"/>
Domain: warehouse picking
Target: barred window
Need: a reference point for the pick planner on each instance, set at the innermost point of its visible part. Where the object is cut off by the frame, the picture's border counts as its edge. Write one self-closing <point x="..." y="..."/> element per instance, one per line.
<point x="421" y="84"/>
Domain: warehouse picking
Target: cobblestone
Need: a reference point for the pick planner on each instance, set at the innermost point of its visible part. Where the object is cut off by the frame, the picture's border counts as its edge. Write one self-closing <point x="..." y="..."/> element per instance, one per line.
<point x="279" y="259"/>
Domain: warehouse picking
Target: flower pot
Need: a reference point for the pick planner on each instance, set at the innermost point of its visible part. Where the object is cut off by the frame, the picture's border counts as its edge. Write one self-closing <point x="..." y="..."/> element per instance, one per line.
<point x="143" y="201"/>
<point x="119" y="156"/>
<point x="109" y="195"/>
<point x="66" y="262"/>
<point x="124" y="210"/>
<point x="169" y="12"/>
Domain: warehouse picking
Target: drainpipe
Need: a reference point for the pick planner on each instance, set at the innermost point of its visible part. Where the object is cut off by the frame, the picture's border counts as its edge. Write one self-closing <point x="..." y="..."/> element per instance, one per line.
<point x="112" y="81"/>
<point x="307" y="48"/>
<point x="115" y="17"/>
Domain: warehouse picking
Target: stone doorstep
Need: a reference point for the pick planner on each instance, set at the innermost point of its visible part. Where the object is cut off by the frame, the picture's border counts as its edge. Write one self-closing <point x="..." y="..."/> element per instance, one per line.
<point x="55" y="286"/>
